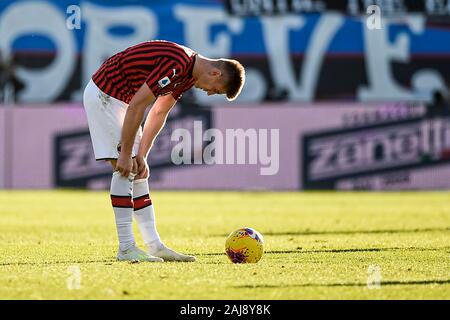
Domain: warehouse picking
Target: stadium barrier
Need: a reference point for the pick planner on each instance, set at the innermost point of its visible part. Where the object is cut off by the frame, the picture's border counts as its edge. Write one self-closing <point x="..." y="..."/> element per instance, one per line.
<point x="273" y="146"/>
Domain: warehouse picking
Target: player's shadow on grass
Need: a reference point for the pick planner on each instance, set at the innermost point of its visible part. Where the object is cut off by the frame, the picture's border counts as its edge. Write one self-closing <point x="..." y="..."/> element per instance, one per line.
<point x="355" y="284"/>
<point x="308" y="232"/>
<point x="334" y="250"/>
<point x="356" y="250"/>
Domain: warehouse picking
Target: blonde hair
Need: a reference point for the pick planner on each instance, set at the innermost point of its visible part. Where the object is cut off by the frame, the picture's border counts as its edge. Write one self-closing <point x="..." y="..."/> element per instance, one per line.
<point x="234" y="74"/>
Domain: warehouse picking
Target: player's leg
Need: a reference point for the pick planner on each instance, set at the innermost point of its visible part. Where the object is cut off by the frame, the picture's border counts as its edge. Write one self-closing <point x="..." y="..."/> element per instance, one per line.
<point x="105" y="117"/>
<point x="145" y="216"/>
<point x="122" y="203"/>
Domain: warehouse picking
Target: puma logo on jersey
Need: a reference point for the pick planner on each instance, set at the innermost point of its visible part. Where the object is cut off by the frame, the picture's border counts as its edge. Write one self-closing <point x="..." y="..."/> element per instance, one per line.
<point x="164" y="82"/>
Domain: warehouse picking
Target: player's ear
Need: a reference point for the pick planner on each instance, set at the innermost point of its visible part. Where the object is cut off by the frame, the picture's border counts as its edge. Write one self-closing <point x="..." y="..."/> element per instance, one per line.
<point x="215" y="72"/>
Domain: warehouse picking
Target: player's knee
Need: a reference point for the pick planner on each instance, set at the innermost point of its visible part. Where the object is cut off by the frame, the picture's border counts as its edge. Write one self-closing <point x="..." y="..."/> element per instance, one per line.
<point x="142" y="176"/>
<point x="134" y="170"/>
<point x="113" y="164"/>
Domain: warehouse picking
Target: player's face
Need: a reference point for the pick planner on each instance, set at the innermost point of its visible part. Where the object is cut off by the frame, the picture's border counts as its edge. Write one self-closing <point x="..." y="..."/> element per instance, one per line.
<point x="211" y="83"/>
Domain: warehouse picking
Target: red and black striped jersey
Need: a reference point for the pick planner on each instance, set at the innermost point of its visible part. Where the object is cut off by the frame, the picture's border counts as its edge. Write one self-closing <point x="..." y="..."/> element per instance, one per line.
<point x="165" y="66"/>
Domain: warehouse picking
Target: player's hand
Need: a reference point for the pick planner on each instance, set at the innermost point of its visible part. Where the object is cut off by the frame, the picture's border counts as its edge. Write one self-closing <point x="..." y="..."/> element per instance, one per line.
<point x="124" y="165"/>
<point x="142" y="168"/>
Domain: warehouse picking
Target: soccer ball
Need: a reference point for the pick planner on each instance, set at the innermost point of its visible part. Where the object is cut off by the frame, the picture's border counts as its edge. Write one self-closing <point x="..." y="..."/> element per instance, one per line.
<point x="244" y="245"/>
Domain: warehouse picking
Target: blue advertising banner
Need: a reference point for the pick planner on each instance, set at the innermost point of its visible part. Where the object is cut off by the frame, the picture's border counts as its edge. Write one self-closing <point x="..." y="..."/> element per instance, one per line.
<point x="379" y="156"/>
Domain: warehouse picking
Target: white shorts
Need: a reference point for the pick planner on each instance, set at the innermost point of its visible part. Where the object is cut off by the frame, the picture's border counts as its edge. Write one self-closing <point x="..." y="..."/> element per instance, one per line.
<point x="105" y="116"/>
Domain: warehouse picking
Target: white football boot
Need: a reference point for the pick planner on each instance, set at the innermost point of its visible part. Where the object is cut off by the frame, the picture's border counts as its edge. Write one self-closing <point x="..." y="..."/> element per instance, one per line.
<point x="171" y="255"/>
<point x="137" y="255"/>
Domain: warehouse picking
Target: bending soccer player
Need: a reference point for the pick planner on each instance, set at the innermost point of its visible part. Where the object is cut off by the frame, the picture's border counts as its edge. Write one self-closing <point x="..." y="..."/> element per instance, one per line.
<point x="115" y="100"/>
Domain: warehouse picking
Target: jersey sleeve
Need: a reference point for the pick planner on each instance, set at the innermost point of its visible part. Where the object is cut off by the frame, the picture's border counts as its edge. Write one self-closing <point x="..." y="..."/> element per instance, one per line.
<point x="182" y="88"/>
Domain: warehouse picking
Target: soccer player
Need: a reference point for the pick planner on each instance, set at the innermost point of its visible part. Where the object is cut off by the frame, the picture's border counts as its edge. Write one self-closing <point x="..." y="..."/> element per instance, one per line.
<point x="116" y="98"/>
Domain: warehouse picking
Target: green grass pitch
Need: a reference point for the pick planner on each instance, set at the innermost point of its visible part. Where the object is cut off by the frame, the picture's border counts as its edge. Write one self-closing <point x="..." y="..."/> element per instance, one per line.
<point x="318" y="245"/>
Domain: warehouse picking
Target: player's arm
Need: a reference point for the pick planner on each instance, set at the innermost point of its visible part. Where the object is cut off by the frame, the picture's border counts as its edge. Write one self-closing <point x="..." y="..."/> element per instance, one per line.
<point x="156" y="118"/>
<point x="133" y="118"/>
